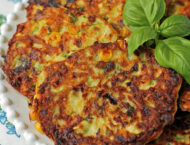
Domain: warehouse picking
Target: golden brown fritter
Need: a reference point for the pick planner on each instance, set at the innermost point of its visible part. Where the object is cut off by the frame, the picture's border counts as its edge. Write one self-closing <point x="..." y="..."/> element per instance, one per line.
<point x="109" y="10"/>
<point x="23" y="64"/>
<point x="100" y="96"/>
<point x="184" y="101"/>
<point x="50" y="35"/>
<point x="181" y="7"/>
<point x="86" y="90"/>
<point x="77" y="24"/>
<point x="176" y="134"/>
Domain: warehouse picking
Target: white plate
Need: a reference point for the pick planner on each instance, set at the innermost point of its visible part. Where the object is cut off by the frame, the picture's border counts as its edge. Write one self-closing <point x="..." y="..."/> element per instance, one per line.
<point x="12" y="101"/>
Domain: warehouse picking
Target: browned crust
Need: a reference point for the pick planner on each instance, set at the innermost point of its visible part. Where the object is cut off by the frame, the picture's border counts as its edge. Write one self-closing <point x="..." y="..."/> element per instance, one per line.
<point x="180" y="127"/>
<point x="181" y="7"/>
<point x="184" y="100"/>
<point x="91" y="7"/>
<point x="173" y="6"/>
<point x="18" y="77"/>
<point x="153" y="119"/>
<point x="47" y="3"/>
<point x="20" y="80"/>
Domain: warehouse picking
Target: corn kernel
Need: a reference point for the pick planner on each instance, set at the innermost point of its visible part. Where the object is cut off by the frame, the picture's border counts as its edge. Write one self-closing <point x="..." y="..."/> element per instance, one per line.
<point x="38" y="127"/>
<point x="33" y="115"/>
<point x="54" y="37"/>
<point x="28" y="100"/>
<point x="106" y="55"/>
<point x="125" y="32"/>
<point x="72" y="30"/>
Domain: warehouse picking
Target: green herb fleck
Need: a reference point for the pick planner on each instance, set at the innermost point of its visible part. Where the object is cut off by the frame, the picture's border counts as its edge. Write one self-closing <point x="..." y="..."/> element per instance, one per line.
<point x="181" y="138"/>
<point x="73" y="18"/>
<point x="70" y="114"/>
<point x="34" y="86"/>
<point x="80" y="10"/>
<point x="132" y="108"/>
<point x="88" y="119"/>
<point x="38" y="66"/>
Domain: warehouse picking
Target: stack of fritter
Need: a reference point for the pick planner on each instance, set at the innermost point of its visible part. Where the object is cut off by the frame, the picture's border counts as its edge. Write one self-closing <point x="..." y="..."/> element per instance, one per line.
<point x="178" y="133"/>
<point x="71" y="61"/>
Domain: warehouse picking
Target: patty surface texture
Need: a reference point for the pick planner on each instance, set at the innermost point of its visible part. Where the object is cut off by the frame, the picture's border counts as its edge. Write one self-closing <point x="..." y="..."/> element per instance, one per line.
<point x="100" y="96"/>
<point x="71" y="60"/>
<point x="178" y="133"/>
<point x="184" y="100"/>
<point x="50" y="35"/>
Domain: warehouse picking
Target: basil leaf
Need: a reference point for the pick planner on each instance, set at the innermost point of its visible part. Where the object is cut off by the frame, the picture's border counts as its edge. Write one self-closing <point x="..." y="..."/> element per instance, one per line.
<point x="174" y="53"/>
<point x="176" y="25"/>
<point x="131" y="28"/>
<point x="154" y="10"/>
<point x="139" y="36"/>
<point x="133" y="14"/>
<point x="138" y="13"/>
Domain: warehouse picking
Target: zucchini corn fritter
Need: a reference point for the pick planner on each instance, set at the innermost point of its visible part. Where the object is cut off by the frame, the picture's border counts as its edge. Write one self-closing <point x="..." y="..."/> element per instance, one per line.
<point x="107" y="8"/>
<point x="181" y="7"/>
<point x="178" y="133"/>
<point x="110" y="10"/>
<point x="100" y="96"/>
<point x="82" y="88"/>
<point x="45" y="39"/>
<point x="73" y="28"/>
<point x="184" y="100"/>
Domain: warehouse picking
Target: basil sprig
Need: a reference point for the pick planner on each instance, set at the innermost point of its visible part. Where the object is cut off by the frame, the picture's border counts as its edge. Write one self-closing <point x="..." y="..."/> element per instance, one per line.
<point x="140" y="36"/>
<point x="143" y="19"/>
